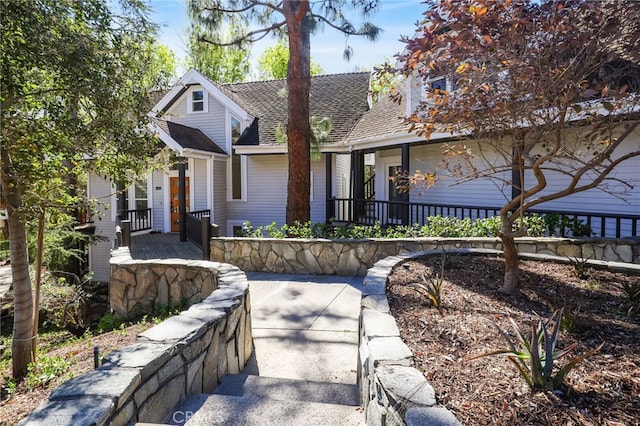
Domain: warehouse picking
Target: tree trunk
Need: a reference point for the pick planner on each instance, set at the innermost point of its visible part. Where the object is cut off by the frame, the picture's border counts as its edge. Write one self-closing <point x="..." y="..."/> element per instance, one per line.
<point x="22" y="345"/>
<point x="298" y="126"/>
<point x="37" y="281"/>
<point x="511" y="285"/>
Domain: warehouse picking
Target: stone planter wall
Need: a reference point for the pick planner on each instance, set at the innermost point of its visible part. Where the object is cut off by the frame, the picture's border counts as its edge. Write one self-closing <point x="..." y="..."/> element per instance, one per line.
<point x="354" y="257"/>
<point x="141" y="286"/>
<point x="392" y="392"/>
<point x="187" y="353"/>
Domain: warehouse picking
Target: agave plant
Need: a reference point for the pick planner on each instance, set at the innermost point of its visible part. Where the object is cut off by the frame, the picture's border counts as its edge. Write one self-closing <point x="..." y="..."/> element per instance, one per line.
<point x="534" y="355"/>
<point x="431" y="286"/>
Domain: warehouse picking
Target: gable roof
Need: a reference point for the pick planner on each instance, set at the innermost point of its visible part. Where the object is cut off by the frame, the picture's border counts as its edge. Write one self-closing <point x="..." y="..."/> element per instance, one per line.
<point x="188" y="137"/>
<point x="384" y="119"/>
<point x="340" y="97"/>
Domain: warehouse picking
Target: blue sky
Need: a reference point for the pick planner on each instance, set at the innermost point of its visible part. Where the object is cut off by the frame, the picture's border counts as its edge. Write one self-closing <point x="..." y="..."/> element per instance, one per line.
<point x="395" y="17"/>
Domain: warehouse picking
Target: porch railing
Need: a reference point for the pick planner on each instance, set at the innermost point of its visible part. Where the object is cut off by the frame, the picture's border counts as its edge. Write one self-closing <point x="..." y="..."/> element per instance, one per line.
<point x="140" y="219"/>
<point x="200" y="230"/>
<point x="404" y="213"/>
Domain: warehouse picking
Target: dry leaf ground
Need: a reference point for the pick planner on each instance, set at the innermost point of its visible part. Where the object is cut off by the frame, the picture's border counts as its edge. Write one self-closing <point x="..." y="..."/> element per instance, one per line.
<point x="602" y="390"/>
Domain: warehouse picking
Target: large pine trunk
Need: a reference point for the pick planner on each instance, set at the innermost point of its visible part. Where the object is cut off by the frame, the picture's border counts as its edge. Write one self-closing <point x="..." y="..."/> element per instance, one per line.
<point x="298" y="126"/>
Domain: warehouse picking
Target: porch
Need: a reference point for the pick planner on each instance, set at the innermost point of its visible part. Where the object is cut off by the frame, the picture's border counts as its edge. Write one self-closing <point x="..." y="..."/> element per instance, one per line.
<point x="368" y="212"/>
<point x="163" y="246"/>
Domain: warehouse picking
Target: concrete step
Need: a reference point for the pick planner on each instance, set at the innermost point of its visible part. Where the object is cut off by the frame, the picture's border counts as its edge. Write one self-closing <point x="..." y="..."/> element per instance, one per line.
<point x="288" y="389"/>
<point x="205" y="410"/>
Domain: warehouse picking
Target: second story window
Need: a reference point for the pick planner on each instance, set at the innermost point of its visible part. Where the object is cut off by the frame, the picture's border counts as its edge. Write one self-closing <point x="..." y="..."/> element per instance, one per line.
<point x="238" y="171"/>
<point x="197" y="101"/>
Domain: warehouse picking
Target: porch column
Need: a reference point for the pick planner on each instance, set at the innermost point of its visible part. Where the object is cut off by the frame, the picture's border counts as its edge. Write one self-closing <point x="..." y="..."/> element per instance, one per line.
<point x="182" y="198"/>
<point x="405" y="195"/>
<point x="121" y="202"/>
<point x="329" y="209"/>
<point x="357" y="171"/>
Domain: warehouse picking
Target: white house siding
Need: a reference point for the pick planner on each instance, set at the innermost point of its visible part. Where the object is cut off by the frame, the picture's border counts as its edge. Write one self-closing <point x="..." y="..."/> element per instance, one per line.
<point x="212" y="123"/>
<point x="99" y="253"/>
<point x="219" y="213"/>
<point x="448" y="190"/>
<point x="600" y="200"/>
<point x="200" y="185"/>
<point x="266" y="192"/>
<point x="158" y="208"/>
<point x="342" y="178"/>
<point x="319" y="190"/>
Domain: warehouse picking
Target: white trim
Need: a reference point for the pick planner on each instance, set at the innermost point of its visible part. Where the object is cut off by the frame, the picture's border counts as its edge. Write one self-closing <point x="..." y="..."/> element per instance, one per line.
<point x="190" y="101"/>
<point x="167" y="198"/>
<point x="190" y="173"/>
<point x="383" y="178"/>
<point x="233" y="222"/>
<point x="210" y="184"/>
<point x="194" y="77"/>
<point x="243" y="180"/>
<point x="261" y="149"/>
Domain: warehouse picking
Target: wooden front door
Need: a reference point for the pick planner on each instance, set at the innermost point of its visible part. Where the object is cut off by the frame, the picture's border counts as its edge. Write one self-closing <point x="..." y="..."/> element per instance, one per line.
<point x="174" y="184"/>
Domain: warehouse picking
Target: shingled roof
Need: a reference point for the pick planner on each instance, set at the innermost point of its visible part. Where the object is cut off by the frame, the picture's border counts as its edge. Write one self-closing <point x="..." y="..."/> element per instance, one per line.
<point x="340" y="97"/>
<point x="384" y="119"/>
<point x="188" y="137"/>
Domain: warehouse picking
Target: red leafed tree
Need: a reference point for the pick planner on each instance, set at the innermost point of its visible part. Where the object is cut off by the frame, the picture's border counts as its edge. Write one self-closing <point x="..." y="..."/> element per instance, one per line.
<point x="543" y="91"/>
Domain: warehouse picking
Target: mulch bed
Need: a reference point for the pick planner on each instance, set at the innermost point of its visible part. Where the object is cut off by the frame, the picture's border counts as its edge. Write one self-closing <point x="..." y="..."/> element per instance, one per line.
<point x="602" y="390"/>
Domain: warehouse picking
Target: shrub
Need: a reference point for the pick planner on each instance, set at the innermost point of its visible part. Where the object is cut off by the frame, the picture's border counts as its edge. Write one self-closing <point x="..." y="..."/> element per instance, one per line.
<point x="436" y="226"/>
<point x="45" y="370"/>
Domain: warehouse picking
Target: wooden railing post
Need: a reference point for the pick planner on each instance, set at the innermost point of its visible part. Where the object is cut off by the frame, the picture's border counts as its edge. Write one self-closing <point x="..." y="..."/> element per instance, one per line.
<point x="126" y="233"/>
<point x="206" y="236"/>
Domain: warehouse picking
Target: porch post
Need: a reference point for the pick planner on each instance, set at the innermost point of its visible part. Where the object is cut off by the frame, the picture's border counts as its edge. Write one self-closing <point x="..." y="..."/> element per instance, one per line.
<point x="405" y="195"/>
<point x="121" y="203"/>
<point x="182" y="198"/>
<point x="357" y="167"/>
<point x="328" y="188"/>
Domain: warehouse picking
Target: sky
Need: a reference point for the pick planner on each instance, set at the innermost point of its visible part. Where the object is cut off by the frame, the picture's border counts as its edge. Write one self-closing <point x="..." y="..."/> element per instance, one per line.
<point x="395" y="17"/>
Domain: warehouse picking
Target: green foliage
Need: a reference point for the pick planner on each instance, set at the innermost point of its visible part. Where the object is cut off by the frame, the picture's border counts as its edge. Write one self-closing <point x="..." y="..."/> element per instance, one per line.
<point x="320" y="134"/>
<point x="222" y="64"/>
<point x="559" y="225"/>
<point x="580" y="266"/>
<point x="109" y="322"/>
<point x="274" y="62"/>
<point x="45" y="370"/>
<point x="534" y="355"/>
<point x="632" y="306"/>
<point x="437" y="226"/>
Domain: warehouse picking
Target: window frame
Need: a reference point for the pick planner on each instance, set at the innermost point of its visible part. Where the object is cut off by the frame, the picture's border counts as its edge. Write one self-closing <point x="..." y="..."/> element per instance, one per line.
<point x="243" y="164"/>
<point x="191" y="101"/>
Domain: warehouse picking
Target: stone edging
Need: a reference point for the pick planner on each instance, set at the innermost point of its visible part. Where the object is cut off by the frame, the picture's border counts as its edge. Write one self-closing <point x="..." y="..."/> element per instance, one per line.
<point x="392" y="392"/>
<point x="143" y="382"/>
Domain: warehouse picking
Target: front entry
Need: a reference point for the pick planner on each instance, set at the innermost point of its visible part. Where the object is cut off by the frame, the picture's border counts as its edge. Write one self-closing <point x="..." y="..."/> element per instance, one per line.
<point x="394" y="195"/>
<point x="174" y="184"/>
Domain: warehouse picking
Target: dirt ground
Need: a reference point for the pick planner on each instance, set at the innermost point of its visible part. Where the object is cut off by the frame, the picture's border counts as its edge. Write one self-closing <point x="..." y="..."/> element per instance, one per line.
<point x="602" y="390"/>
<point x="79" y="353"/>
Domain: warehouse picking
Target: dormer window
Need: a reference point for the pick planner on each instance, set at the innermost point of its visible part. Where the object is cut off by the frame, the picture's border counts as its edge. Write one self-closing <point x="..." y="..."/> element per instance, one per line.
<point x="197" y="101"/>
<point x="443" y="84"/>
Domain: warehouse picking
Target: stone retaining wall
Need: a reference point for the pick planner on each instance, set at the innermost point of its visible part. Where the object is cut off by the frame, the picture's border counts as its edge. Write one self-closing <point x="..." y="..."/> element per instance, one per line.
<point x="142" y="286"/>
<point x="354" y="257"/>
<point x="392" y="392"/>
<point x="187" y="353"/>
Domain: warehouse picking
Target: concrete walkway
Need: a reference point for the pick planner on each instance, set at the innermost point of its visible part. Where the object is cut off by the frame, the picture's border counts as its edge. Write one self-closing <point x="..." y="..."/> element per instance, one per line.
<point x="303" y="370"/>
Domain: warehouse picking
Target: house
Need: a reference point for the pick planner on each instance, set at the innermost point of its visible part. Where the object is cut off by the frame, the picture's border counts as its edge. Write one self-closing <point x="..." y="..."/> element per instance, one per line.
<point x="223" y="142"/>
<point x="381" y="146"/>
<point x="228" y="160"/>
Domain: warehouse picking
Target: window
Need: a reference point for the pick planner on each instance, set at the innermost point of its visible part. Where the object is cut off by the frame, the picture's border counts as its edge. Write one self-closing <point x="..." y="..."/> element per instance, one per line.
<point x="237" y="161"/>
<point x="440" y="84"/>
<point x="197" y="101"/>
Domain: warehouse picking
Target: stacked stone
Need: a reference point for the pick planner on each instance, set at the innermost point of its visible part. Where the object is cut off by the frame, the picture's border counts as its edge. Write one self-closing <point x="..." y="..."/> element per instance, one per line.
<point x="355" y="257"/>
<point x="391" y="390"/>
<point x="187" y="353"/>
